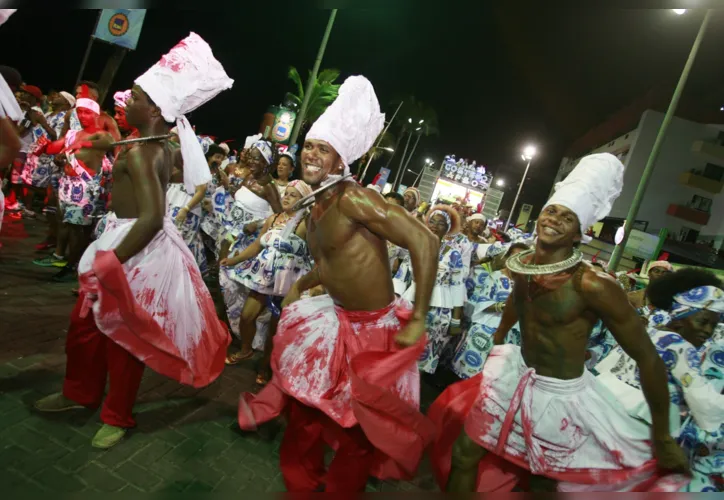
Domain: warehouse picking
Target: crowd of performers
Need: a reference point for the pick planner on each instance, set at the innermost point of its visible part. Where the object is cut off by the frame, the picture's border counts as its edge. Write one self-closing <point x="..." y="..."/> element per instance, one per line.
<point x="560" y="380"/>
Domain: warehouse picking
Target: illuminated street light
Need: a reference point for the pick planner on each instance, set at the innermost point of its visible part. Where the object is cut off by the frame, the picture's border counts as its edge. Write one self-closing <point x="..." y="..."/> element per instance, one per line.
<point x="391" y="150"/>
<point x="528" y="154"/>
<point x="633" y="210"/>
<point x="678" y="12"/>
<point x="500" y="183"/>
<point x="421" y="122"/>
<point x="409" y="120"/>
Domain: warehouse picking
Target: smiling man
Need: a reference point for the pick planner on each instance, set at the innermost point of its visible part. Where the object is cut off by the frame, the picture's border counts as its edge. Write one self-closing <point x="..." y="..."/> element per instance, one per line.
<point x="339" y="363"/>
<point x="535" y="406"/>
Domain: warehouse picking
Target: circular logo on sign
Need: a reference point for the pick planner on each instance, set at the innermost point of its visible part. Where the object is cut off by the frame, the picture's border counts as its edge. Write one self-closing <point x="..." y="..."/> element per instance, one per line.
<point x="479" y="342"/>
<point x="118" y="25"/>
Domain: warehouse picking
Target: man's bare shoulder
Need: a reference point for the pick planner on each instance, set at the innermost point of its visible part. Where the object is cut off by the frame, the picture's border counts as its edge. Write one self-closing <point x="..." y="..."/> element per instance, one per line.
<point x="146" y="153"/>
<point x="359" y="202"/>
<point x="596" y="284"/>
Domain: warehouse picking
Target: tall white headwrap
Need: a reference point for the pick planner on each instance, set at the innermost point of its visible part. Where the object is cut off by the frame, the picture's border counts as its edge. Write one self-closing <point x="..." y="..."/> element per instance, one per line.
<point x="184" y="79"/>
<point x="590" y="189"/>
<point x="352" y="122"/>
<point x="5" y="14"/>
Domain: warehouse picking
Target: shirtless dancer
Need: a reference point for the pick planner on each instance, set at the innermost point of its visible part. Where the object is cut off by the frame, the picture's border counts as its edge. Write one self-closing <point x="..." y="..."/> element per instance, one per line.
<point x="142" y="300"/>
<point x="327" y="348"/>
<point x="535" y="409"/>
<point x="107" y="123"/>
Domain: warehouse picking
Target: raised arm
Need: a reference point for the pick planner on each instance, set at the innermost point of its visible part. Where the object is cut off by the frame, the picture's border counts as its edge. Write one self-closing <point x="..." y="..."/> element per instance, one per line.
<point x="393" y="223"/>
<point x="604" y="296"/>
<point x="150" y="198"/>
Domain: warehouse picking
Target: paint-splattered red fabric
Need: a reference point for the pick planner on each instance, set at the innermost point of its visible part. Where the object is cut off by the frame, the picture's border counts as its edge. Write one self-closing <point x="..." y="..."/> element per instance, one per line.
<point x="156" y="305"/>
<point x="347" y="365"/>
<point x="572" y="431"/>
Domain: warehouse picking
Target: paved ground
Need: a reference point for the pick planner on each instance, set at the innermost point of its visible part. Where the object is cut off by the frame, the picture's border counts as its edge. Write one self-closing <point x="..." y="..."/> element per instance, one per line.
<point x="186" y="439"/>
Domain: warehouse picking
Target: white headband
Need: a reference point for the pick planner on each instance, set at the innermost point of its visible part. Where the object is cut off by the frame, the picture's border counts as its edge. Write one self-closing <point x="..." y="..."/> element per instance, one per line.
<point x="90" y="104"/>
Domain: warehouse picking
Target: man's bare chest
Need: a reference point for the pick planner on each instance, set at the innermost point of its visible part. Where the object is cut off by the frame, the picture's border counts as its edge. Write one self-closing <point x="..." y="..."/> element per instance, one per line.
<point x="328" y="233"/>
<point x="549" y="307"/>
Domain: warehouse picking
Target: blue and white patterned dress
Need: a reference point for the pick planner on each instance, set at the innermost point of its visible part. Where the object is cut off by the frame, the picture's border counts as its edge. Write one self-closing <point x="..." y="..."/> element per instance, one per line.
<point x="40" y="170"/>
<point x="695" y="388"/>
<point x="475" y="280"/>
<point x="279" y="265"/>
<point x="244" y="208"/>
<point x="475" y="346"/>
<point x="600" y="344"/>
<point x="449" y="293"/>
<point x="176" y="198"/>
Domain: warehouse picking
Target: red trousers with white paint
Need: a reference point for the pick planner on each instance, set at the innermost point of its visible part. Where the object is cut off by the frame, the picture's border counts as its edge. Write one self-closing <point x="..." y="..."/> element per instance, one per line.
<point x="301" y="455"/>
<point x="92" y="358"/>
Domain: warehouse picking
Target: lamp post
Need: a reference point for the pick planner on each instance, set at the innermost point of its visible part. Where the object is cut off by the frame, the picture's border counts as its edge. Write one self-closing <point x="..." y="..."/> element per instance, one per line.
<point x="651" y="162"/>
<point x="528" y="154"/>
<point x="428" y="162"/>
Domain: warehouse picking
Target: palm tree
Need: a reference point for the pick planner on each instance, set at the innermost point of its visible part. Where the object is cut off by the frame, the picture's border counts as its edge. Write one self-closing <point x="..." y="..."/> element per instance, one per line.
<point x="323" y="94"/>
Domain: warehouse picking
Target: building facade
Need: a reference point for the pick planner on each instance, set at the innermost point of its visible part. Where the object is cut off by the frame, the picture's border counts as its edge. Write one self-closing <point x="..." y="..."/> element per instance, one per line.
<point x="685" y="193"/>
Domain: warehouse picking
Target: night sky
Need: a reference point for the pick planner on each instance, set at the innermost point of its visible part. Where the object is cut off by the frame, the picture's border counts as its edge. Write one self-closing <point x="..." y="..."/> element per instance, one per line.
<point x="498" y="77"/>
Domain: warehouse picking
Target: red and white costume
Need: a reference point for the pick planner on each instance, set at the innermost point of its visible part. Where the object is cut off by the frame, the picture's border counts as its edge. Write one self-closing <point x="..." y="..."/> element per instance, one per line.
<point x="333" y="366"/>
<point x="154" y="310"/>
<point x="573" y="431"/>
<point x="338" y="373"/>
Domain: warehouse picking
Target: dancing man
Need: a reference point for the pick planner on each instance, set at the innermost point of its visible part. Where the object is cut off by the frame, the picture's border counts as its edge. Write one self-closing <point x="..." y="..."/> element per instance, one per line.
<point x="142" y="300"/>
<point x="337" y="363"/>
<point x="534" y="409"/>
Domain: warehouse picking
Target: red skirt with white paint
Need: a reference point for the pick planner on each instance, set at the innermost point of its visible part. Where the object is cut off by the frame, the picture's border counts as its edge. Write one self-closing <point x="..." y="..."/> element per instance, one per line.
<point x="346" y="364"/>
<point x="572" y="431"/>
<point x="155" y="305"/>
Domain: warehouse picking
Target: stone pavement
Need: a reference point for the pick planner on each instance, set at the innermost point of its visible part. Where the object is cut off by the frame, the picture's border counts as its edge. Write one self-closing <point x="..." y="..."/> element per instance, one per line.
<point x="187" y="440"/>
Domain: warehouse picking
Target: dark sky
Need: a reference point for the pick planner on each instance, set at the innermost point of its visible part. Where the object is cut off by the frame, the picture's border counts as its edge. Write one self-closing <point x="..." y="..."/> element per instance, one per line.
<point x="498" y="77"/>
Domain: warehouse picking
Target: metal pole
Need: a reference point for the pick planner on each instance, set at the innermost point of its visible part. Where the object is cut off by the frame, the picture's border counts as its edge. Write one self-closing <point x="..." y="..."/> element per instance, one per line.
<point x="85" y="60"/>
<point x="404" y="169"/>
<point x="87" y="52"/>
<point x="515" y="201"/>
<point x="312" y="79"/>
<point x="402" y="160"/>
<point x="379" y="139"/>
<point x="419" y="175"/>
<point x="651" y="162"/>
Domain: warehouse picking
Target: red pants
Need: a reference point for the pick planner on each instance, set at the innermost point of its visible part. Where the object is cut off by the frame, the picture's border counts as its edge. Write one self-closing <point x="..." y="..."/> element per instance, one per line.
<point x="91" y="358"/>
<point x="302" y="453"/>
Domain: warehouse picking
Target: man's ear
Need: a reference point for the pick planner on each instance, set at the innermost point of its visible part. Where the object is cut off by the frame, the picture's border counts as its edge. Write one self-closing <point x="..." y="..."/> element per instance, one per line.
<point x="340" y="167"/>
<point x="155" y="111"/>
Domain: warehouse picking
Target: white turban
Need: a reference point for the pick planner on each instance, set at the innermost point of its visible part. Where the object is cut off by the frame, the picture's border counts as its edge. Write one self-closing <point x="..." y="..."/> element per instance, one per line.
<point x="8" y="104"/>
<point x="590" y="189"/>
<point x="477" y="217"/>
<point x="69" y="97"/>
<point x="352" y="122"/>
<point x="184" y="79"/>
<point x="250" y="140"/>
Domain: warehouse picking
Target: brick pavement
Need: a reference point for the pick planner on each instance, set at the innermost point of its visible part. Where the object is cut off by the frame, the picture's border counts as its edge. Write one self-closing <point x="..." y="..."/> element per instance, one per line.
<point x="186" y="440"/>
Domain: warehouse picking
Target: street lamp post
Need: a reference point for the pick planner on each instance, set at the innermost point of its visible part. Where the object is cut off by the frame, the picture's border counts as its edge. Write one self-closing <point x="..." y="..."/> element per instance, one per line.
<point x="427" y="164"/>
<point x="528" y="154"/>
<point x="651" y="162"/>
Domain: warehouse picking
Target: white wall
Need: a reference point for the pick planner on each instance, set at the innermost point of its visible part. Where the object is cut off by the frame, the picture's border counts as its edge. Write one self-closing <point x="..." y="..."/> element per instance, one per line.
<point x="675" y="158"/>
<point x="619" y="146"/>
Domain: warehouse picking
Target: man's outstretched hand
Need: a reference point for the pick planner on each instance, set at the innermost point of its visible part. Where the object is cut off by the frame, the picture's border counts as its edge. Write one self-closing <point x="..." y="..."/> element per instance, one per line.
<point x="411" y="333"/>
<point x="669" y="456"/>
